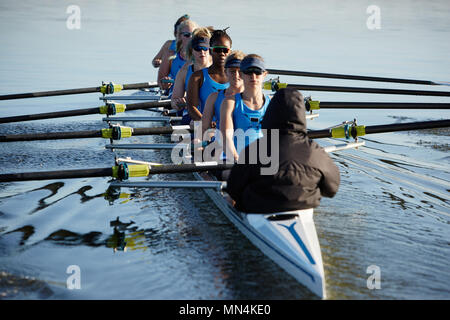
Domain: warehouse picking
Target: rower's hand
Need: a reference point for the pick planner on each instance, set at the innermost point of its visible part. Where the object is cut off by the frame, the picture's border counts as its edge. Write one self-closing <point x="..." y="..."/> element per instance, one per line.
<point x="165" y="85"/>
<point x="197" y="144"/>
<point x="156" y="62"/>
<point x="178" y="103"/>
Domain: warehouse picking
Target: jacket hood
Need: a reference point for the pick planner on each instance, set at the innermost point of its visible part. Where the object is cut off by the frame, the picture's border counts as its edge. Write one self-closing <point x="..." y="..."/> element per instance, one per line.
<point x="286" y="112"/>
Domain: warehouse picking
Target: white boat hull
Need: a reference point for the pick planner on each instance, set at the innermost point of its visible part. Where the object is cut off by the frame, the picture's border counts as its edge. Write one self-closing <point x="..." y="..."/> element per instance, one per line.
<point x="288" y="238"/>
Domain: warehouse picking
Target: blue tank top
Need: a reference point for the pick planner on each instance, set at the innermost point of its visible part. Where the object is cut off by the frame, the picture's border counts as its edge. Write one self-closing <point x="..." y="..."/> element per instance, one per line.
<point x="189" y="73"/>
<point x="177" y="63"/>
<point x="173" y="45"/>
<point x="217" y="104"/>
<point x="247" y="119"/>
<point x="209" y="86"/>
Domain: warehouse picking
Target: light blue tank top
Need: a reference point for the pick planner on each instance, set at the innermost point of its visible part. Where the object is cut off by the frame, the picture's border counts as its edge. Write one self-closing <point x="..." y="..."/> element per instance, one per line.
<point x="189" y="73"/>
<point x="209" y="86"/>
<point x="248" y="120"/>
<point x="217" y="104"/>
<point x="177" y="63"/>
<point x="173" y="45"/>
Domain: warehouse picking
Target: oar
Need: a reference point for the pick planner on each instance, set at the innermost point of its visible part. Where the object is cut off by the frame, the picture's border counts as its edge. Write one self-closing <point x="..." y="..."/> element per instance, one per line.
<point x="110" y="108"/>
<point x="347" y="131"/>
<point x="382" y="105"/>
<point x="121" y="172"/>
<point x="354" y="77"/>
<point x="118" y="132"/>
<point x="105" y="88"/>
<point x="115" y="133"/>
<point x="275" y="86"/>
<point x="142" y="169"/>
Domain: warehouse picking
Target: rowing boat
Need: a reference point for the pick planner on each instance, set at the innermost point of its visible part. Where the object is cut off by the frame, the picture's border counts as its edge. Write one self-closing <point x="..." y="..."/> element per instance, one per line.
<point x="288" y="238"/>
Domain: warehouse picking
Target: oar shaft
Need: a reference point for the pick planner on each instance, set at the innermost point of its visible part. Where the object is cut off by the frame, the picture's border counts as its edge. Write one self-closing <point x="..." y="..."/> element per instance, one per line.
<point x="130" y="86"/>
<point x="348" y="77"/>
<point x="408" y="126"/>
<point x="326" y="133"/>
<point x="383" y="105"/>
<point x="85" y="134"/>
<point x="49" y="115"/>
<point x="51" y="136"/>
<point x="60" y="174"/>
<point x="369" y="90"/>
<point x="80" y="112"/>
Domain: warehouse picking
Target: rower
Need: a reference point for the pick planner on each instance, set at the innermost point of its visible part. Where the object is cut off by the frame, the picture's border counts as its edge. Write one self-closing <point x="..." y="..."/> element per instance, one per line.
<point x="244" y="111"/>
<point x="206" y="81"/>
<point x="215" y="99"/>
<point x="198" y="58"/>
<point x="303" y="170"/>
<point x="171" y="65"/>
<point x="169" y="47"/>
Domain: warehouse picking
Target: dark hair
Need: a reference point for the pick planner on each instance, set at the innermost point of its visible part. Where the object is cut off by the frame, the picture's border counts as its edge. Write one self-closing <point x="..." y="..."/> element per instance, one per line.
<point x="218" y="34"/>
<point x="180" y="20"/>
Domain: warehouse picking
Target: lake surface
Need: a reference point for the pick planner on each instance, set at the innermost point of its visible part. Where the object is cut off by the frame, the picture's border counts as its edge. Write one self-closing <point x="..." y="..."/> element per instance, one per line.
<point x="392" y="209"/>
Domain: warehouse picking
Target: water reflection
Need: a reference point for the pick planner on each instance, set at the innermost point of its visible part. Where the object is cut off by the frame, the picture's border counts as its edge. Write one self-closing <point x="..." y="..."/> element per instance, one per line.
<point x="27" y="232"/>
<point x="23" y="287"/>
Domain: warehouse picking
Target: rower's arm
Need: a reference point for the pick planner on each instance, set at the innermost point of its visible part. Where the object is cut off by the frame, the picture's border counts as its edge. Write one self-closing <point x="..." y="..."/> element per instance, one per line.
<point x="193" y="95"/>
<point x="178" y="92"/>
<point x="329" y="184"/>
<point x="227" y="126"/>
<point x="163" y="72"/>
<point x="208" y="112"/>
<point x="163" y="52"/>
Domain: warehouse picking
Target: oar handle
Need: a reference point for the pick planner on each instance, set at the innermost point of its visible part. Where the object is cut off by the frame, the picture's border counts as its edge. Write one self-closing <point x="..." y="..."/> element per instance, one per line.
<point x="49" y="115"/>
<point x="189" y="167"/>
<point x="140" y="85"/>
<point x="383" y="105"/>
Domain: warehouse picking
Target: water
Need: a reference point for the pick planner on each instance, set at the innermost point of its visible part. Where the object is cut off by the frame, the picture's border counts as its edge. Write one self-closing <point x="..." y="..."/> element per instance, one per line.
<point x="392" y="209"/>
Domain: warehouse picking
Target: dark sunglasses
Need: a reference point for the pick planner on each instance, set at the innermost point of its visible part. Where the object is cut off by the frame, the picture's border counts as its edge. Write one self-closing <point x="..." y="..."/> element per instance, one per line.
<point x="186" y="34"/>
<point x="200" y="48"/>
<point x="256" y="71"/>
<point x="220" y="49"/>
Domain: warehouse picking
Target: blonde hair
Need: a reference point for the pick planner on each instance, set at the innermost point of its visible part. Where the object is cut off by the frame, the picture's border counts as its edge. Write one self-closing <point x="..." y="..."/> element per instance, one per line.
<point x="235" y="54"/>
<point x="185" y="23"/>
<point x="254" y="55"/>
<point x="197" y="33"/>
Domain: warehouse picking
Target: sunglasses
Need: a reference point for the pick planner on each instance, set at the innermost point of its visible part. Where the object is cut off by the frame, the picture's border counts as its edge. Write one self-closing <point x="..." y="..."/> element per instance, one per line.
<point x="200" y="48"/>
<point x="220" y="49"/>
<point x="186" y="34"/>
<point x="256" y="71"/>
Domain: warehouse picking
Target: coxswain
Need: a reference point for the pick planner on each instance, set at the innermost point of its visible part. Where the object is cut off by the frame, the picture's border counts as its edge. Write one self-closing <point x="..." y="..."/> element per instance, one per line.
<point x="304" y="171"/>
